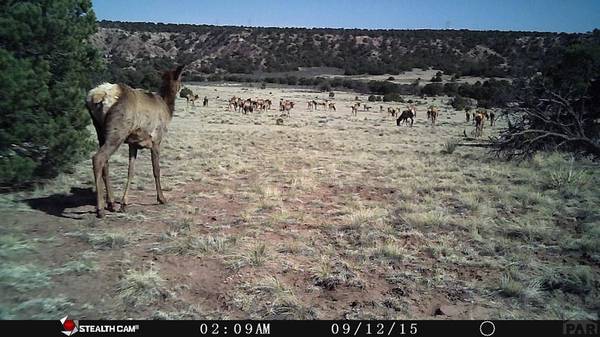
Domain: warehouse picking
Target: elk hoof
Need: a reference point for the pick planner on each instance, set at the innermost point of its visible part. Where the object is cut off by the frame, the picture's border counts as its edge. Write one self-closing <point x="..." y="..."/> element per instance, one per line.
<point x="111" y="206"/>
<point x="100" y="213"/>
<point x="162" y="200"/>
<point x="123" y="208"/>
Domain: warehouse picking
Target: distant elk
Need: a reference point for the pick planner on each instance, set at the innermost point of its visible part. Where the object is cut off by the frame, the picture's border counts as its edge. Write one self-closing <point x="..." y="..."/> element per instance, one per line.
<point x="286" y="106"/>
<point x="122" y="114"/>
<point x="392" y="111"/>
<point x="331" y="106"/>
<point x="205" y="101"/>
<point x="234" y="103"/>
<point x="479" y="120"/>
<point x="191" y="98"/>
<point x="247" y="106"/>
<point x="405" y="116"/>
<point x="355" y="108"/>
<point x="432" y="114"/>
<point x="262" y="104"/>
<point x="323" y="104"/>
<point x="413" y="109"/>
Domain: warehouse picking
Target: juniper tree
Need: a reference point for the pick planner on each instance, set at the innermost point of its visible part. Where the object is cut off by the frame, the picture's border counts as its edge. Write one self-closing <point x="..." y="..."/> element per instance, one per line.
<point x="46" y="66"/>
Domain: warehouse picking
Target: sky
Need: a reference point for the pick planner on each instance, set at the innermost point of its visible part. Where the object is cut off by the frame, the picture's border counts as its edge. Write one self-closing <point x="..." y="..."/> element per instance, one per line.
<point x="523" y="15"/>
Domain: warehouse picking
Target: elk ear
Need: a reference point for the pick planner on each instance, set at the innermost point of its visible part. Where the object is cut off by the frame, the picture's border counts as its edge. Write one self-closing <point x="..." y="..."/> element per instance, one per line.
<point x="178" y="71"/>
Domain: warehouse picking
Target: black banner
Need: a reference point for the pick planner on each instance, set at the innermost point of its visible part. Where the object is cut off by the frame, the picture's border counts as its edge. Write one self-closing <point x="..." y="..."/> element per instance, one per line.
<point x="73" y="327"/>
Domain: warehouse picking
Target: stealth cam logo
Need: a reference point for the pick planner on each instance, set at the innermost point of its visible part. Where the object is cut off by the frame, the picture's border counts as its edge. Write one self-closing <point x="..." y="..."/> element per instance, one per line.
<point x="69" y="325"/>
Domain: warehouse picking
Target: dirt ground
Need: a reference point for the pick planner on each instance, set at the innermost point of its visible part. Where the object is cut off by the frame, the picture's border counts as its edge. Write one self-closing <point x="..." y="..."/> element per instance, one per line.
<point x="327" y="216"/>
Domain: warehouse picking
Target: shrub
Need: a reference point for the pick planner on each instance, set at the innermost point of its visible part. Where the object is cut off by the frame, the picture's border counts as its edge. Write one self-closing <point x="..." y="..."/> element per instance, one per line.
<point x="324" y="86"/>
<point x="185" y="92"/>
<point x="433" y="89"/>
<point x="461" y="103"/>
<point x="437" y="77"/>
<point x="449" y="147"/>
<point x="291" y="80"/>
<point x="394" y="97"/>
<point x="559" y="109"/>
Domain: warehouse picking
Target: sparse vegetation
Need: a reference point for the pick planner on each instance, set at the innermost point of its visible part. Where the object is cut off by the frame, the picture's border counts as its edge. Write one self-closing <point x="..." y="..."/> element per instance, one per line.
<point x="142" y="287"/>
<point x="348" y="218"/>
<point x="449" y="147"/>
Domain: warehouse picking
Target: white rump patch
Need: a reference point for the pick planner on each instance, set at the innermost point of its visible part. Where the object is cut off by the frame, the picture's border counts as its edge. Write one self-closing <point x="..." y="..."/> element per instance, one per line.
<point x="101" y="98"/>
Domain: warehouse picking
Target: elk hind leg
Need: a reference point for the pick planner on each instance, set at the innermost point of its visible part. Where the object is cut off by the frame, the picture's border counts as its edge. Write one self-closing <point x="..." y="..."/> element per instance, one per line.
<point x="155" y="154"/>
<point x="132" y="157"/>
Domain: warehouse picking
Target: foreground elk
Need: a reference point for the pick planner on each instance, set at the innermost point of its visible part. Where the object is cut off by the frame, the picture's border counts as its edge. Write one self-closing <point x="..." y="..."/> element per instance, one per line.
<point x="122" y="114"/>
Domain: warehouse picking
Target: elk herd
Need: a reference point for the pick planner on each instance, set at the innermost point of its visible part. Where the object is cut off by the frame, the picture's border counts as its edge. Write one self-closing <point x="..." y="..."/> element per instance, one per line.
<point x="406" y="116"/>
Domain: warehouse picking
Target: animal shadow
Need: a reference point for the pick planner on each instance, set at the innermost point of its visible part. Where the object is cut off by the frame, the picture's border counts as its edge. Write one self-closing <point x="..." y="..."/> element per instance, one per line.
<point x="57" y="204"/>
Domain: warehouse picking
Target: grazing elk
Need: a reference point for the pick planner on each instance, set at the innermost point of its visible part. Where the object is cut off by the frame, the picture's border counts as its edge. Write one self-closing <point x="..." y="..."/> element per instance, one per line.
<point x="492" y="118"/>
<point x="122" y="114"/>
<point x="205" y="101"/>
<point x="405" y="116"/>
<point x="468" y="116"/>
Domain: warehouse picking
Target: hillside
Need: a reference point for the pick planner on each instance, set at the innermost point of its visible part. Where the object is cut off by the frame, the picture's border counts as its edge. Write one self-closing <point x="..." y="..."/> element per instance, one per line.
<point x="227" y="49"/>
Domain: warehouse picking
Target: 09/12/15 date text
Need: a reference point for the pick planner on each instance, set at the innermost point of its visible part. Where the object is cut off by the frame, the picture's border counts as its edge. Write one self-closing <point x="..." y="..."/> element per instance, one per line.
<point x="362" y="328"/>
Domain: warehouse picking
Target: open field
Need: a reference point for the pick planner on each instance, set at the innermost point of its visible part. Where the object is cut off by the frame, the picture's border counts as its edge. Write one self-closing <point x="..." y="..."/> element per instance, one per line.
<point x="416" y="74"/>
<point x="326" y="216"/>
